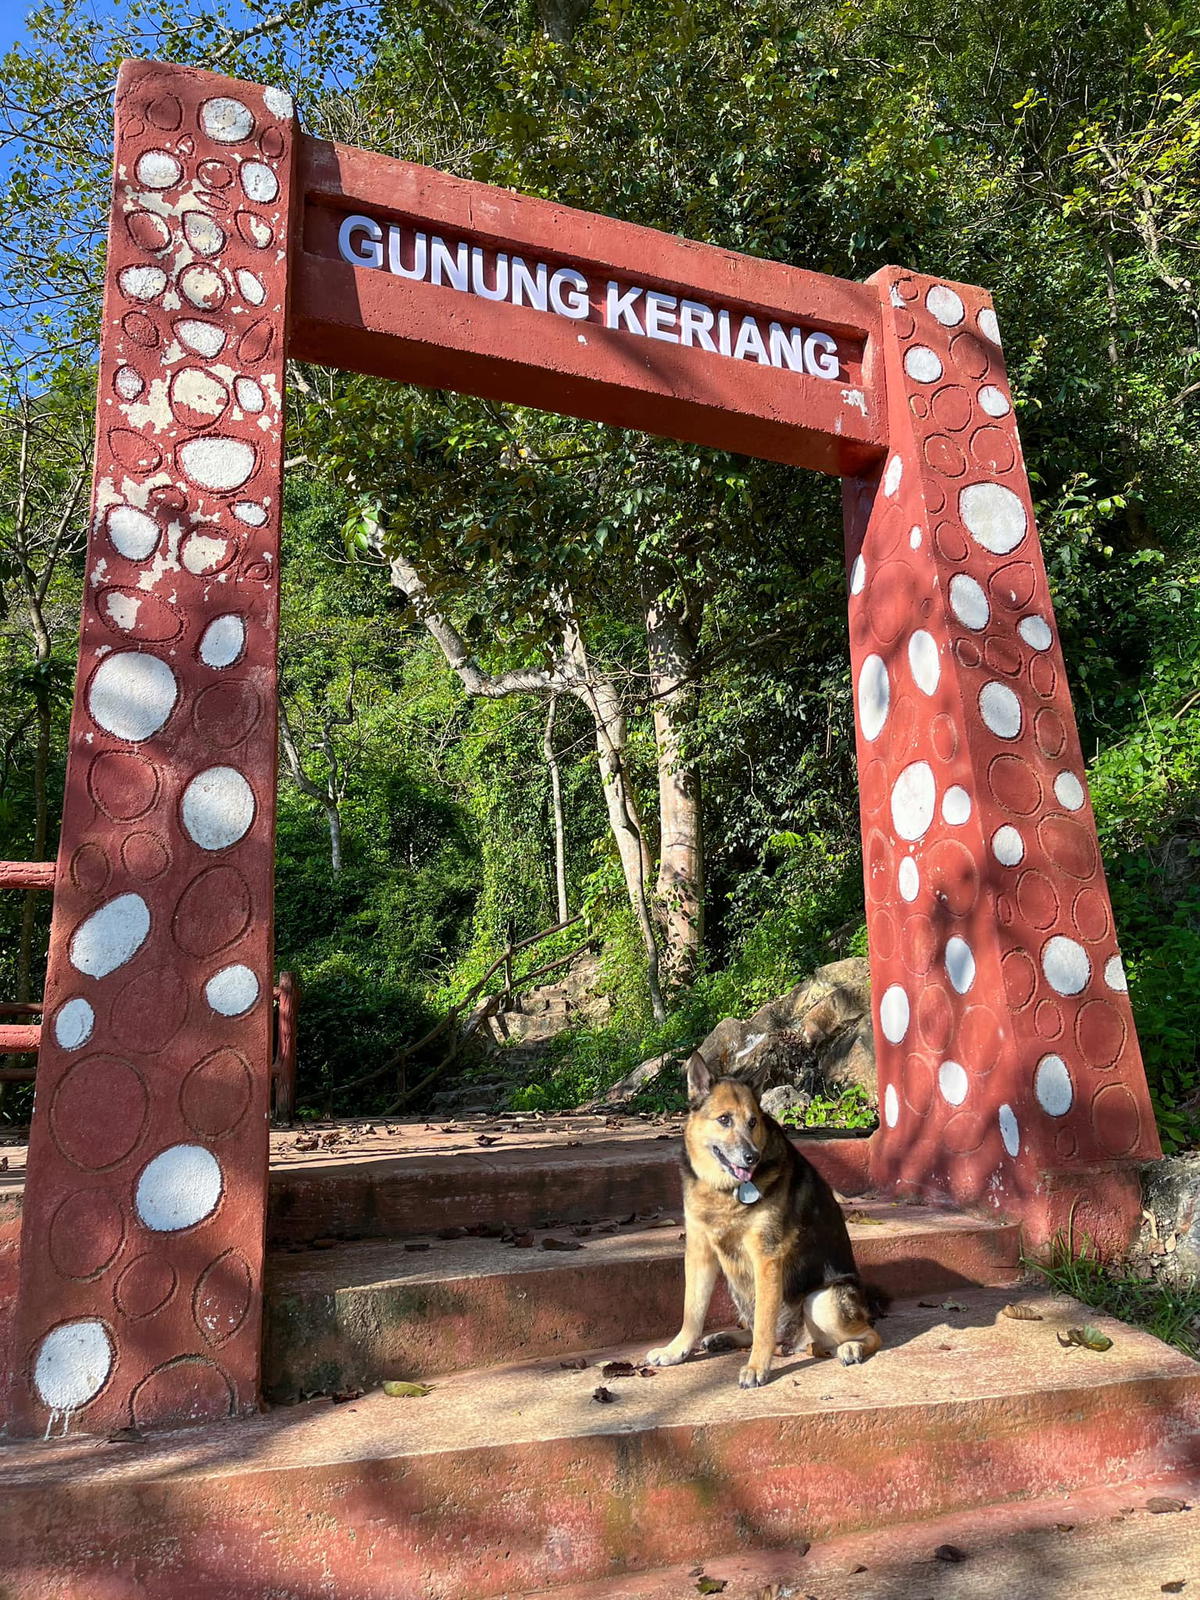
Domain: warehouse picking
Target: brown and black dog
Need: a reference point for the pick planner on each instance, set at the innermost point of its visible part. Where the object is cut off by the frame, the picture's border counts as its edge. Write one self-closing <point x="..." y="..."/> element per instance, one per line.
<point x="759" y="1212"/>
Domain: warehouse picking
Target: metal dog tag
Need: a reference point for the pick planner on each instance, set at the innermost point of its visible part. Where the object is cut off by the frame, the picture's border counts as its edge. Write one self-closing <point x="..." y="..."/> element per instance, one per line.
<point x="747" y="1193"/>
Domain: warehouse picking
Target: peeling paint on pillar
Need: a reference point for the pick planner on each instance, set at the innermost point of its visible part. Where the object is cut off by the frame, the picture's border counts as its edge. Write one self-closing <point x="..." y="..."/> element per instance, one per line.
<point x="1016" y="1081"/>
<point x="165" y="869"/>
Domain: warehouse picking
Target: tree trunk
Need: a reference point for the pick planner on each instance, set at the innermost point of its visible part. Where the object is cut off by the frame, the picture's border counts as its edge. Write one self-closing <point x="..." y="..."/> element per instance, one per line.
<point x="571" y="674"/>
<point x="672" y="632"/>
<point x="556" y="812"/>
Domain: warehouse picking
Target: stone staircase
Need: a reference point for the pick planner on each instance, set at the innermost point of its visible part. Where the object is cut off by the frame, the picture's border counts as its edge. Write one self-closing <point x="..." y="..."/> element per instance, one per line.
<point x="507" y="1270"/>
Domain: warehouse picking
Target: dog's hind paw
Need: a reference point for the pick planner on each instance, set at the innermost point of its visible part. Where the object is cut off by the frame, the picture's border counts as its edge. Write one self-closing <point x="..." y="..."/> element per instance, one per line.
<point x="852" y="1352"/>
<point x="667" y="1355"/>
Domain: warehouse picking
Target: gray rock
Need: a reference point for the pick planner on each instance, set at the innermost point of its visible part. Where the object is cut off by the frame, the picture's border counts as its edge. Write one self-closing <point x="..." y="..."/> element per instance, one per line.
<point x="785" y="1098"/>
<point x="1171" y="1192"/>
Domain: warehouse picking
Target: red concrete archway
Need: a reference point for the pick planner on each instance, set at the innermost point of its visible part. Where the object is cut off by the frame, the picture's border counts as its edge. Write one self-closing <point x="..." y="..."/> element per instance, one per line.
<point x="1009" y="1068"/>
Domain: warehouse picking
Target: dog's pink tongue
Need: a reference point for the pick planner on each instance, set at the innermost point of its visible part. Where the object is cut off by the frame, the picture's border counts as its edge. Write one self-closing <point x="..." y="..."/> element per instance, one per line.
<point x="742" y="1174"/>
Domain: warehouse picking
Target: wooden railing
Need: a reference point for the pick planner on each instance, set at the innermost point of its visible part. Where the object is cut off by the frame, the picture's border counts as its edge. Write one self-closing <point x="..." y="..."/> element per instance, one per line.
<point x="22" y="1038"/>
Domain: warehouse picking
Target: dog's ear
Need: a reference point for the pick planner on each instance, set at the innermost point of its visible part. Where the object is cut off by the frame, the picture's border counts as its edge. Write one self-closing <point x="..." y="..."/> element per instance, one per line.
<point x="699" y="1078"/>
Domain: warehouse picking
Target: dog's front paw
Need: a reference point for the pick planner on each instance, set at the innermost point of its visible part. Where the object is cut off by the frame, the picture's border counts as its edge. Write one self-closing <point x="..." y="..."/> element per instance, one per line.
<point x="752" y="1376"/>
<point x="852" y="1352"/>
<point x="667" y="1355"/>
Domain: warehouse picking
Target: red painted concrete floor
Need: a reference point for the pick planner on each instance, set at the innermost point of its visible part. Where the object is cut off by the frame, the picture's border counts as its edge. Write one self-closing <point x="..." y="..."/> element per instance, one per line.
<point x="512" y="1479"/>
<point x="1098" y="1542"/>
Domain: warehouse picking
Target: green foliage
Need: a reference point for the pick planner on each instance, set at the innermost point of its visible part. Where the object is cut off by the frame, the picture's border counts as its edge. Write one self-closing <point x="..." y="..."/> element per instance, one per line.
<point x="851" y="1110"/>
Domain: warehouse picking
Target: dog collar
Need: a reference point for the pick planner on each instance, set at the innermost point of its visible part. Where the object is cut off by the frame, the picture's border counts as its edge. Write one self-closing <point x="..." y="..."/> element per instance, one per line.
<point x="747" y="1193"/>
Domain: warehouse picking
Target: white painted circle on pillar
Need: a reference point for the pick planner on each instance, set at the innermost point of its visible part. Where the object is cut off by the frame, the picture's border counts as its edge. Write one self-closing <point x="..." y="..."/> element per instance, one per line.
<point x="205" y="338"/>
<point x="1009" y="1131"/>
<point x="132" y="694"/>
<point x="1066" y="965"/>
<point x="873" y="697"/>
<point x="858" y="575"/>
<point x="157" y="169"/>
<point x="73" y="1363"/>
<point x="1000" y="709"/>
<point x="968" y="602"/>
<point x="223" y="641"/>
<point x="114" y="932"/>
<point x="249" y="395"/>
<point x="994" y="516"/>
<point x="142" y="282"/>
<point x="278" y="102"/>
<point x="914" y="537"/>
<point x="945" y="305"/>
<point x="1008" y="847"/>
<point x="216" y="461"/>
<point x="891" y="1105"/>
<point x="922" y="364"/>
<point x="1036" y="632"/>
<point x="891" y="478"/>
<point x="1068" y="791"/>
<point x="259" y="182"/>
<point x="232" y="991"/>
<point x="953" y="1082"/>
<point x="1114" y="975"/>
<point x="226" y="120"/>
<point x="74" y="1023"/>
<point x="251" y="287"/>
<point x="923" y="661"/>
<point x="914" y="795"/>
<point x="218" y="808"/>
<point x="1052" y="1085"/>
<point x="988" y="325"/>
<point x="956" y="805"/>
<point x="960" y="964"/>
<point x="178" y="1189"/>
<point x="134" y="533"/>
<point x="908" y="879"/>
<point x="894" y="1014"/>
<point x="994" y="401"/>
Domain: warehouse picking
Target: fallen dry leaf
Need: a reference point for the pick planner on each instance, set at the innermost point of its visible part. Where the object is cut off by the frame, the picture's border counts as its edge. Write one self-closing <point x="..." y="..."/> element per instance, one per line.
<point x="127" y="1436"/>
<point x="949" y="1552"/>
<point x="1174" y="1587"/>
<point x="487" y="1138"/>
<point x="605" y="1396"/>
<point x="710" y="1585"/>
<point x="1087" y="1338"/>
<point x="562" y="1244"/>
<point x="341" y="1396"/>
<point x="576" y="1364"/>
<point x="1021" y="1313"/>
<point x="401" y="1389"/>
<point x="618" y="1369"/>
<point x="523" y="1241"/>
<point x="1160" y="1504"/>
<point x="1065" y="1527"/>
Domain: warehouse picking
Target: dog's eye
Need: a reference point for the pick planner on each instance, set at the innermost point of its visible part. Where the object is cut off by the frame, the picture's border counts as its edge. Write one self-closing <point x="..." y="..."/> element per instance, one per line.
<point x="726" y="1121"/>
<point x="753" y="1123"/>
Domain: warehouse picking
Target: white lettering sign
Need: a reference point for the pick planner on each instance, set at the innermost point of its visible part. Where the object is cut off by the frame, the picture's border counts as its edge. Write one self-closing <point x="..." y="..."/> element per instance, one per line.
<point x="565" y="292"/>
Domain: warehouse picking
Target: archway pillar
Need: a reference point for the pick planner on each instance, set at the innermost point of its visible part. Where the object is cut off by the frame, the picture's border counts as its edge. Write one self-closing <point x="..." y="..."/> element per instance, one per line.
<point x="1009" y="1070"/>
<point x="143" y="1222"/>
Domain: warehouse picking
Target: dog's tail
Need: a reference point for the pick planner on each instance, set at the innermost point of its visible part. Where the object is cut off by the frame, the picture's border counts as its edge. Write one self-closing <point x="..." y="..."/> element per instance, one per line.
<point x="866" y="1301"/>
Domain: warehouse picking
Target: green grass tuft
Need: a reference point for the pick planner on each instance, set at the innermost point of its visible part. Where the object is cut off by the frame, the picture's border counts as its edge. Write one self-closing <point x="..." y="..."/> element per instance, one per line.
<point x="1170" y="1312"/>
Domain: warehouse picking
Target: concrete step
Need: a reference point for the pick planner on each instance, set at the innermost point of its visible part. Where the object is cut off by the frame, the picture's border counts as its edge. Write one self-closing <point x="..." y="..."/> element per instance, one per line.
<point x="348" y="1317"/>
<point x="513" y="1174"/>
<point x="510" y="1479"/>
<point x="1097" y="1542"/>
